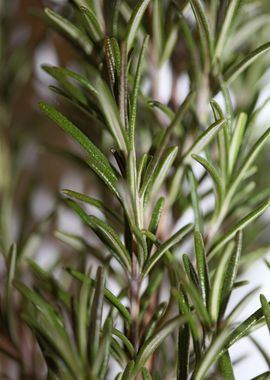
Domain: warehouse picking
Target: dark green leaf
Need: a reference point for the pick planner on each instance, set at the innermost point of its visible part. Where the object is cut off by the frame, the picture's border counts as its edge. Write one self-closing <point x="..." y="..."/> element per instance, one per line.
<point x="151" y="345"/>
<point x="97" y="161"/>
<point x="266" y="310"/>
<point x="96" y="315"/>
<point x="145" y="374"/>
<point x="226" y="367"/>
<point x="239" y="226"/>
<point x="69" y="29"/>
<point x="91" y="21"/>
<point x="134" y="22"/>
<point x="106" y="233"/>
<point x="231" y="272"/>
<point x="178" y="236"/>
<point x="109" y="296"/>
<point x="203" y="140"/>
<point x="202" y="268"/>
<point x="233" y="72"/>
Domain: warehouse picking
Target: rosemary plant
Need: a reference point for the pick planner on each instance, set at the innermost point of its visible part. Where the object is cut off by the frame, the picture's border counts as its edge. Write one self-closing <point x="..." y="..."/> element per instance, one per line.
<point x="172" y="214"/>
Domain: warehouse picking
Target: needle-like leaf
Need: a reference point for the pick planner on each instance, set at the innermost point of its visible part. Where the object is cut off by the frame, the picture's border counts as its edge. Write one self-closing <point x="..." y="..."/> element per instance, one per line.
<point x="239" y="226"/>
<point x="134" y="22"/>
<point x="226" y="366"/>
<point x="203" y="140"/>
<point x="106" y="234"/>
<point x="178" y="236"/>
<point x="216" y="289"/>
<point x="266" y="310"/>
<point x="230" y="273"/>
<point x="204" y="29"/>
<point x="225" y="29"/>
<point x="237" y="140"/>
<point x="71" y="30"/>
<point x="233" y="72"/>
<point x="97" y="161"/>
<point x="244" y="327"/>
<point x="109" y="296"/>
<point x="210" y="356"/>
<point x="156" y="339"/>
<point x="202" y="267"/>
<point x="92" y="23"/>
<point x="218" y="187"/>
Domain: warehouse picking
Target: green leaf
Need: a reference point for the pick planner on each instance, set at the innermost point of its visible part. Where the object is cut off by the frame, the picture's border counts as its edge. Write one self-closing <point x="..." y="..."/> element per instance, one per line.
<point x="163" y="108"/>
<point x="237" y="140"/>
<point x="253" y="153"/>
<point x="10" y="308"/>
<point x="83" y="317"/>
<point x="204" y="29"/>
<point x="183" y="353"/>
<point x="145" y="374"/>
<point x="217" y="286"/>
<point x="134" y="96"/>
<point x="226" y="367"/>
<point x="106" y="234"/>
<point x="123" y="87"/>
<point x="262" y="376"/>
<point x="190" y="271"/>
<point x="182" y="109"/>
<point x="128" y="373"/>
<point x="72" y="74"/>
<point x="93" y="202"/>
<point x="116" y="54"/>
<point x="158" y="26"/>
<point x="203" y="140"/>
<point x="118" y="353"/>
<point x="174" y="239"/>
<point x="48" y="283"/>
<point x="111" y="115"/>
<point x="236" y="69"/>
<point x="263" y="352"/>
<point x="266" y="310"/>
<point x="92" y="23"/>
<point x="218" y="188"/>
<point x="157" y="315"/>
<point x="230" y="274"/>
<point x="210" y="356"/>
<point x="161" y="171"/>
<point x="225" y="29"/>
<point x="186" y="312"/>
<point x="193" y="183"/>
<point x="97" y="161"/>
<point x="135" y="21"/>
<point x="191" y="286"/>
<point x="155" y="279"/>
<point x="239" y="226"/>
<point x="155" y="218"/>
<point x="202" y="268"/>
<point x="241" y="305"/>
<point x="96" y="315"/>
<point x="59" y="74"/>
<point x="169" y="43"/>
<point x="109" y="296"/>
<point x="51" y="326"/>
<point x="69" y="29"/>
<point x="244" y="327"/>
<point x="151" y="345"/>
<point x="128" y="345"/>
<point x="100" y="367"/>
<point x="110" y="61"/>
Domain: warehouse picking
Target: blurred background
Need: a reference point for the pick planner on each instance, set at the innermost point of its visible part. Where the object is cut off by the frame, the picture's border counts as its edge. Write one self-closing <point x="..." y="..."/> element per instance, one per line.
<point x="35" y="165"/>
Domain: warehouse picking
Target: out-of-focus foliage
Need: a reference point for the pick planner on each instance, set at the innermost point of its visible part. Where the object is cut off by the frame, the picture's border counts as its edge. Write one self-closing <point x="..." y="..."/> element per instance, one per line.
<point x="174" y="194"/>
